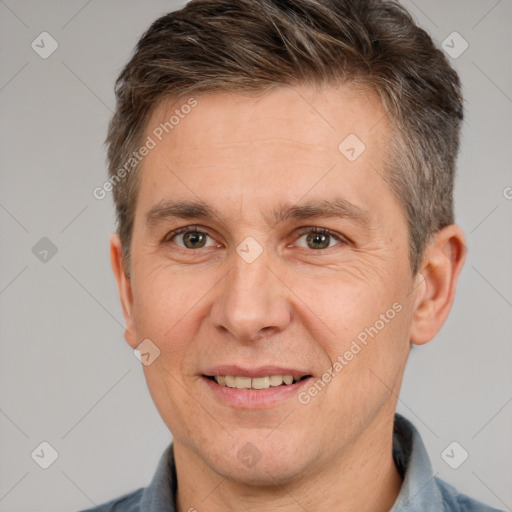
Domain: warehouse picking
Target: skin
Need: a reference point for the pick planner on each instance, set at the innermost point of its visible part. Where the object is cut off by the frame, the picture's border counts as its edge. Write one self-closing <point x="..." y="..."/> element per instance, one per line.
<point x="294" y="306"/>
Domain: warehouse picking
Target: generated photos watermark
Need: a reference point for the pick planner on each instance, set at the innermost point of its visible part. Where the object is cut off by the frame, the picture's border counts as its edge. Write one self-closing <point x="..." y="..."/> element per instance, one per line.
<point x="150" y="143"/>
<point x="304" y="397"/>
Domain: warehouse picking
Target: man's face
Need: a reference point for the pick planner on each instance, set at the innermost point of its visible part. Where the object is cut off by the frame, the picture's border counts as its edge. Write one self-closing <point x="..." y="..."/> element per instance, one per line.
<point x="253" y="291"/>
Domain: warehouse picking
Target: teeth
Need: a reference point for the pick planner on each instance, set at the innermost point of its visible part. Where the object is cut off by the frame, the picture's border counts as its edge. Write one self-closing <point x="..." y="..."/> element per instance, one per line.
<point x="230" y="381"/>
<point x="261" y="383"/>
<point x="276" y="380"/>
<point x="243" y="382"/>
<point x="287" y="379"/>
<point x="254" y="383"/>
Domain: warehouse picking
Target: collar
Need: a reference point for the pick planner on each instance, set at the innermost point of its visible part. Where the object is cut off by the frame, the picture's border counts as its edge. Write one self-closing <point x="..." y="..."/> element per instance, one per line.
<point x="420" y="490"/>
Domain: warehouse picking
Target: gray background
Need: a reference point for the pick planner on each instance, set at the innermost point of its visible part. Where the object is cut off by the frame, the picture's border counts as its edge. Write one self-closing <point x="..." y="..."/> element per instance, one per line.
<point x="66" y="374"/>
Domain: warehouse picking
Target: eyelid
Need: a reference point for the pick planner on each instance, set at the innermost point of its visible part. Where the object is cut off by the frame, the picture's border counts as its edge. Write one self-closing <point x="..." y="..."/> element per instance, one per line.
<point x="180" y="231"/>
<point x="317" y="229"/>
<point x="185" y="229"/>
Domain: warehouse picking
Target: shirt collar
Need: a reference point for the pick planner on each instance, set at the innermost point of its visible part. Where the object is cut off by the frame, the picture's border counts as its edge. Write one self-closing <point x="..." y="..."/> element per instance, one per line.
<point x="159" y="496"/>
<point x="419" y="491"/>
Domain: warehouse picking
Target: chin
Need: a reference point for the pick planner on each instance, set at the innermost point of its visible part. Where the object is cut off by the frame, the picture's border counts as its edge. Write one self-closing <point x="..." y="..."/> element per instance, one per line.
<point x="262" y="459"/>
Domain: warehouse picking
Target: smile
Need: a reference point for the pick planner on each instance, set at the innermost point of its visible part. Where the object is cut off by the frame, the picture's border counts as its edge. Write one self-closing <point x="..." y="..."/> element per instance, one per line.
<point x="265" y="382"/>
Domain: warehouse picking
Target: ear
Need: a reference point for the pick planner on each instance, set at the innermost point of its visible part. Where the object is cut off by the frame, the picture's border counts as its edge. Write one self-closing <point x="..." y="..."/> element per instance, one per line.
<point x="436" y="283"/>
<point x="125" y="289"/>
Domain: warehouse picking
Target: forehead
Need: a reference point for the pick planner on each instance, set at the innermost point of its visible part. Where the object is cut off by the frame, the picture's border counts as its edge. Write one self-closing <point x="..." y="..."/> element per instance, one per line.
<point x="256" y="149"/>
<point x="310" y="116"/>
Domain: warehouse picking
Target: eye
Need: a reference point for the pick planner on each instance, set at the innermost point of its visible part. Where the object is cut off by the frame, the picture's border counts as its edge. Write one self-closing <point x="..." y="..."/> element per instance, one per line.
<point x="193" y="238"/>
<point x="190" y="237"/>
<point x="319" y="238"/>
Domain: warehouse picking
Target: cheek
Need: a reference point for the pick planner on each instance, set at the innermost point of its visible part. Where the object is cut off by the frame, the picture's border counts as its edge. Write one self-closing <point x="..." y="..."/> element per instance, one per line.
<point x="166" y="308"/>
<point x="360" y="324"/>
<point x="345" y="300"/>
<point x="163" y="295"/>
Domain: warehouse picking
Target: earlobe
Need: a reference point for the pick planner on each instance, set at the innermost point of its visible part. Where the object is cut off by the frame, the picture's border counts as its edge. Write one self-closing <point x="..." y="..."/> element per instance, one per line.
<point x="435" y="290"/>
<point x="124" y="287"/>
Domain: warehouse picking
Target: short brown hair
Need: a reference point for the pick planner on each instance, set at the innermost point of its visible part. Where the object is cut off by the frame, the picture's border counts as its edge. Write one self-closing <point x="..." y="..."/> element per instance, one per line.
<point x="255" y="45"/>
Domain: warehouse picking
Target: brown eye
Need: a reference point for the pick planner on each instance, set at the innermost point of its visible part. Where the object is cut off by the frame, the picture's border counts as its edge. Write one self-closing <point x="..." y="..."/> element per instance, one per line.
<point x="194" y="239"/>
<point x="318" y="240"/>
<point x="190" y="238"/>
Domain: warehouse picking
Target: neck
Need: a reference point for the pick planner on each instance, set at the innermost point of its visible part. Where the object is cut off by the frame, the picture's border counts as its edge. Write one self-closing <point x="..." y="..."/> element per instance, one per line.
<point x="363" y="477"/>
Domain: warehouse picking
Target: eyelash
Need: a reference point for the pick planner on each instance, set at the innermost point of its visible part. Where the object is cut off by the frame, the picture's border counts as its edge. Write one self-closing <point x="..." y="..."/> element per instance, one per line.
<point x="302" y="231"/>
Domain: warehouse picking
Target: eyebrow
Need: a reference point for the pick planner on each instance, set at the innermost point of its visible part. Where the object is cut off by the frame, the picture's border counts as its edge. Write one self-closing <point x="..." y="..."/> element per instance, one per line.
<point x="337" y="207"/>
<point x="180" y="209"/>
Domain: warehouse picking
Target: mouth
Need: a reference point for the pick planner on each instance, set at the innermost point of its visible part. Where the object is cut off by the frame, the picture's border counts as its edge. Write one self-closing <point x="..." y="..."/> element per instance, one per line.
<point x="255" y="383"/>
<point x="262" y="387"/>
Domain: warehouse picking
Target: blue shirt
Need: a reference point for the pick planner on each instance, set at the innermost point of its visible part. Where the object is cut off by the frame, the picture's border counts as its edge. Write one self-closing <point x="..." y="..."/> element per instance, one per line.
<point x="421" y="491"/>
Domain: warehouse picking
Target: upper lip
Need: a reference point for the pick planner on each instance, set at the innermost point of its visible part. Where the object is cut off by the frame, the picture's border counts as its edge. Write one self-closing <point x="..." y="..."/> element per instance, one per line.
<point x="260" y="371"/>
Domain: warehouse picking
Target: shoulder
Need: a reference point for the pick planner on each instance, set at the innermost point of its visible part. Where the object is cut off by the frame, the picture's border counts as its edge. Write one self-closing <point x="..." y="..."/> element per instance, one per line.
<point x="157" y="496"/>
<point x="454" y="501"/>
<point x="126" y="503"/>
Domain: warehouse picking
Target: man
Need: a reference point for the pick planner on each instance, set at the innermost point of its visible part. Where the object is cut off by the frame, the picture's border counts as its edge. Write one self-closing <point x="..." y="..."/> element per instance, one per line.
<point x="283" y="175"/>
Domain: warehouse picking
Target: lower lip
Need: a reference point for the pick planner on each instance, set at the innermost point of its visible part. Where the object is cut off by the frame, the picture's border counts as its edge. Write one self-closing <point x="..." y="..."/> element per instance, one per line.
<point x="254" y="398"/>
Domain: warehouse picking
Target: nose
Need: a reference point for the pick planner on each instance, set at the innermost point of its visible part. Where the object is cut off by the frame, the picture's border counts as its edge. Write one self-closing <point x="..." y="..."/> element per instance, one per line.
<point x="253" y="301"/>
